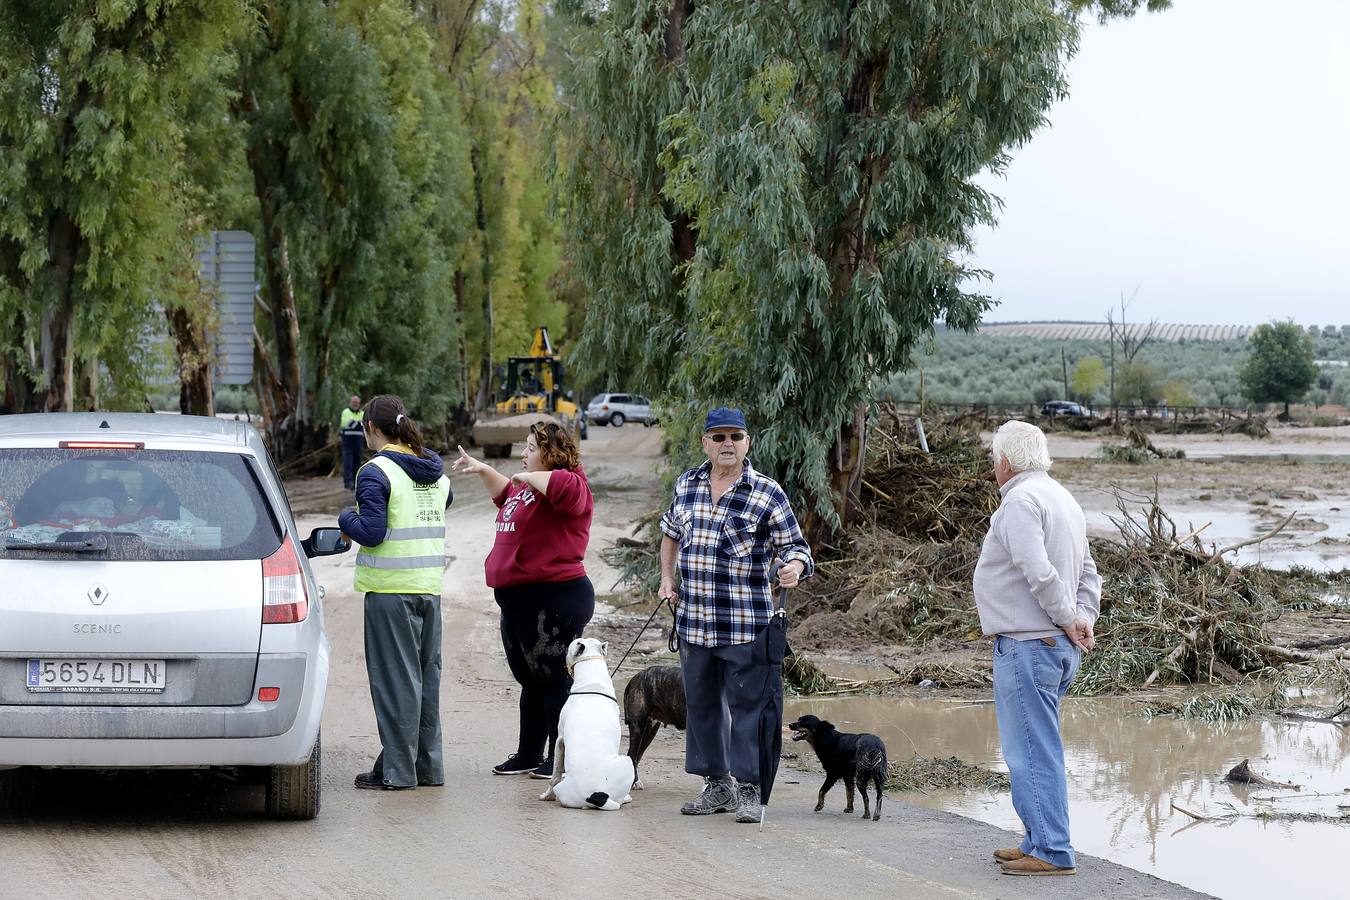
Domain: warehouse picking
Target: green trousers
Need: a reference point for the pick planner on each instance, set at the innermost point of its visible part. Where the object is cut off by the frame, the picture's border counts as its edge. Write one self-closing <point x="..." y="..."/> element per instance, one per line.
<point x="403" y="662"/>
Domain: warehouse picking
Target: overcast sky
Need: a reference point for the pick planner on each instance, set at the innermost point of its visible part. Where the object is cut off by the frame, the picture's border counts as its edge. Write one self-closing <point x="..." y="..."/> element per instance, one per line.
<point x="1203" y="156"/>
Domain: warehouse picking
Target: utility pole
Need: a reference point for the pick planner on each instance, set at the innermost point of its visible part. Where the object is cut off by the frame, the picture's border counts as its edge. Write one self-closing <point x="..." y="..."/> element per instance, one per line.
<point x="1064" y="363"/>
<point x="1111" y="342"/>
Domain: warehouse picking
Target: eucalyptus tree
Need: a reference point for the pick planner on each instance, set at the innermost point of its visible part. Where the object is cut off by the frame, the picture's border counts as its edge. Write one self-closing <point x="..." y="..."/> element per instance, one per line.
<point x="773" y="200"/>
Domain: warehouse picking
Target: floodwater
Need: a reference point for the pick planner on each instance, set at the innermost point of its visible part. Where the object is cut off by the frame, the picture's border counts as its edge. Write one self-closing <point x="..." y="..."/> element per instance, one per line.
<point x="1317" y="539"/>
<point x="1125" y="770"/>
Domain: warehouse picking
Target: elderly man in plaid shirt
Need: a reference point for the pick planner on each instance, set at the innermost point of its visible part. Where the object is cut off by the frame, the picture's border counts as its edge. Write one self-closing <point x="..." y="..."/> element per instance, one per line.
<point x="724" y="528"/>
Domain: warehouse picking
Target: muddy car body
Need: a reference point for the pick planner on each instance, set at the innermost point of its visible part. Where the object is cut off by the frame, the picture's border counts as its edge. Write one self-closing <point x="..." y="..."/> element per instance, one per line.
<point x="157" y="607"/>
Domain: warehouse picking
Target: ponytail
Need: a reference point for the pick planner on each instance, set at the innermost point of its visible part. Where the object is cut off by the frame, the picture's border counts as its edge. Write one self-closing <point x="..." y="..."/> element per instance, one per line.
<point x="387" y="413"/>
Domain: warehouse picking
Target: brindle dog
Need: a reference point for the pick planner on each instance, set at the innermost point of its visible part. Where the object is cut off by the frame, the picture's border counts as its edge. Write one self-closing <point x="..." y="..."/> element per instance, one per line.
<point x="652" y="698"/>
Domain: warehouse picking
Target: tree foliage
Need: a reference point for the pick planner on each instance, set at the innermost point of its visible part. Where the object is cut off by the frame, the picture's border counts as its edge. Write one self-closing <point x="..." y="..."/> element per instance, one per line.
<point x="1088" y="378"/>
<point x="96" y="214"/>
<point x="773" y="198"/>
<point x="1281" y="367"/>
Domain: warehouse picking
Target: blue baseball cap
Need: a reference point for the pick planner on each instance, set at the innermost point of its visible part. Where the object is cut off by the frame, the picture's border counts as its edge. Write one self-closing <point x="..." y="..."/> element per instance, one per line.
<point x="725" y="417"/>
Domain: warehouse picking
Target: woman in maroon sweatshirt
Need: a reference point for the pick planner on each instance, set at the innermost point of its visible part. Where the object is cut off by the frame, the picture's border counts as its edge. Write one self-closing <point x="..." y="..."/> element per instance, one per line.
<point x="535" y="568"/>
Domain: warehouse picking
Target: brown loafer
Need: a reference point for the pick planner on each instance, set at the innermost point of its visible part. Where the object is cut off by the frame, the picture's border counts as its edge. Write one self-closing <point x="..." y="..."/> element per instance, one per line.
<point x="1034" y="865"/>
<point x="1009" y="854"/>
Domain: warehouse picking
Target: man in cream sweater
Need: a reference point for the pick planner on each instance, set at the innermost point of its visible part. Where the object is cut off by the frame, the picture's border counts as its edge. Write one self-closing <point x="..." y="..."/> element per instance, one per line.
<point x="1038" y="595"/>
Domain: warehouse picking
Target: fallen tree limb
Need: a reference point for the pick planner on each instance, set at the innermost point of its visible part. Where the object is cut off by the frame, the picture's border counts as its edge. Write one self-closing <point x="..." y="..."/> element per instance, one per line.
<point x="1259" y="538"/>
<point x="1243" y="774"/>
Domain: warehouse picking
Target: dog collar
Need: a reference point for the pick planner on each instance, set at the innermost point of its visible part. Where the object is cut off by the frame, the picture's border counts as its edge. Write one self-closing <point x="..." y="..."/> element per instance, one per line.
<point x="595" y="693"/>
<point x="574" y="662"/>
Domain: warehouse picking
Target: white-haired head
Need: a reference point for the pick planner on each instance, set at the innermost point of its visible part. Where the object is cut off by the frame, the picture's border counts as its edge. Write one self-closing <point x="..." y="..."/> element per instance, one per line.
<point x="1022" y="445"/>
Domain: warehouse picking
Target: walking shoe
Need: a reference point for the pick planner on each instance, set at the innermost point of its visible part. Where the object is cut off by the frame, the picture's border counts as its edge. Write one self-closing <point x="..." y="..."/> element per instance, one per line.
<point x="747" y="802"/>
<point x="1009" y="854"/>
<point x="1034" y="865"/>
<point x="371" y="782"/>
<point x="544" y="770"/>
<point x="515" y="764"/>
<point x="718" y="796"/>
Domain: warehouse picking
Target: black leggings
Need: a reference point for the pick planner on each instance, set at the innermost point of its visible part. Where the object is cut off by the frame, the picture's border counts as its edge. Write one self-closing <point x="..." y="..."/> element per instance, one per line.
<point x="539" y="621"/>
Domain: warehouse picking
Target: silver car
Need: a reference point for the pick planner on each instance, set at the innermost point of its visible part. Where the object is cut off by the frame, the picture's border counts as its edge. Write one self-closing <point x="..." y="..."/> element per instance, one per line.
<point x="615" y="409"/>
<point x="158" y="607"/>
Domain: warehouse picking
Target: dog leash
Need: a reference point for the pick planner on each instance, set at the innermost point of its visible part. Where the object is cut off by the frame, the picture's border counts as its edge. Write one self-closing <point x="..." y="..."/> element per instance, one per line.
<point x="624" y="658"/>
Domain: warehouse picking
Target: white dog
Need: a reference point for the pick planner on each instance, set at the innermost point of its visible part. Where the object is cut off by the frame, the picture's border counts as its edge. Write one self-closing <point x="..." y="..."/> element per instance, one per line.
<point x="588" y="770"/>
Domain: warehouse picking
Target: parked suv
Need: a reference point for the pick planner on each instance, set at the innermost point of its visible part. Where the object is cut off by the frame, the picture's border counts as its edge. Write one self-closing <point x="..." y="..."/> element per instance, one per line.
<point x="158" y="607"/>
<point x="1063" y="408"/>
<point x="615" y="409"/>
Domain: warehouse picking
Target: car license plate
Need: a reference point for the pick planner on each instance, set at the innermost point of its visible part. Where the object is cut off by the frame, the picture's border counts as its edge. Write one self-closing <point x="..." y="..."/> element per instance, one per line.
<point x="97" y="676"/>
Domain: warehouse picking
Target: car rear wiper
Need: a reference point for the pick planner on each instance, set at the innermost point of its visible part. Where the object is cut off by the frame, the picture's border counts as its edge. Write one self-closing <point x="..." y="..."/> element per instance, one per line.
<point x="94" y="543"/>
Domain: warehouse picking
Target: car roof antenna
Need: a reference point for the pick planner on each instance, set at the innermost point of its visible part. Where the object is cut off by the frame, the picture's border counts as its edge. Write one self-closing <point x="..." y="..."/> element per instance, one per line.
<point x="104" y="424"/>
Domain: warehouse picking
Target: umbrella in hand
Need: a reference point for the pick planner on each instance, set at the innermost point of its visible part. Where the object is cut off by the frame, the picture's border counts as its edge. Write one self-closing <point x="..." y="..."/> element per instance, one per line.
<point x="770" y="647"/>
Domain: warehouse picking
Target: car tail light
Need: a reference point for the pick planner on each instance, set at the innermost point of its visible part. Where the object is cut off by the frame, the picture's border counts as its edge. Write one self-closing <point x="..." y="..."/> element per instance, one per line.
<point x="284" y="597"/>
<point x="269" y="695"/>
<point x="604" y="406"/>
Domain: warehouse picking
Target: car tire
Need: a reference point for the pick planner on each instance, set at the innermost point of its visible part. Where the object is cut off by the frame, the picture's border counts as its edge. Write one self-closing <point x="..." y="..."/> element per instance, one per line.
<point x="293" y="792"/>
<point x="616" y="420"/>
<point x="496" y="451"/>
<point x="17" y="791"/>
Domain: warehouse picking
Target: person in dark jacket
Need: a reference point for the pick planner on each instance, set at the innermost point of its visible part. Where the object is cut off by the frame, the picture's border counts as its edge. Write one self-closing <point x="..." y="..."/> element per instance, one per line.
<point x="399" y="521"/>
<point x="535" y="570"/>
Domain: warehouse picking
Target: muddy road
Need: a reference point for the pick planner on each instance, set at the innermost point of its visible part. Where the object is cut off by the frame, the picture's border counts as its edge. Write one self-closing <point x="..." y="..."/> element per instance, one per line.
<point x="188" y="834"/>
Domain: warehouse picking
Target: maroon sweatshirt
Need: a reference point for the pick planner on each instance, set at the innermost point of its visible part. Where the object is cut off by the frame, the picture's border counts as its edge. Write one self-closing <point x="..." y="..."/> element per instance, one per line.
<point x="541" y="538"/>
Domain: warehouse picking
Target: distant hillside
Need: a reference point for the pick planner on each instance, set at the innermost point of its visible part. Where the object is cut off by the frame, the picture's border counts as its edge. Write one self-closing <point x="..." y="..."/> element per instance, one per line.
<point x="1097" y="331"/>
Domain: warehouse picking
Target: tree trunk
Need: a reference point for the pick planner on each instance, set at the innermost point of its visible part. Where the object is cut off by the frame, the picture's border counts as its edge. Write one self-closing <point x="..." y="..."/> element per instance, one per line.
<point x="196" y="392"/>
<point x="287" y="404"/>
<point x="480" y="215"/>
<point x="58" y="344"/>
<point x="461" y="299"/>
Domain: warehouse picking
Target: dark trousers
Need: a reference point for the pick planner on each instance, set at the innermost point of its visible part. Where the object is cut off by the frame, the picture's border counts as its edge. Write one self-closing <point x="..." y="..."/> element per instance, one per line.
<point x="352" y="445"/>
<point x="539" y="621"/>
<point x="723" y="688"/>
<point x="403" y="662"/>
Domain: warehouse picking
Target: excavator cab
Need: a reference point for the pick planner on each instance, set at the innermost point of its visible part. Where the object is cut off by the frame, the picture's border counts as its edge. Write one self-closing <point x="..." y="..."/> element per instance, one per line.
<point x="530" y="388"/>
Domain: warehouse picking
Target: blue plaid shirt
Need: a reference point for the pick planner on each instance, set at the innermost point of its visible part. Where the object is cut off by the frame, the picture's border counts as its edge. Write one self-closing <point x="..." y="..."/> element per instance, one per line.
<point x="725" y="554"/>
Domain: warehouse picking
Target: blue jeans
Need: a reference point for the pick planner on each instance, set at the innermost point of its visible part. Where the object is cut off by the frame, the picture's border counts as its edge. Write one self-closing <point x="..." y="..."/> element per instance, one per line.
<point x="1030" y="678"/>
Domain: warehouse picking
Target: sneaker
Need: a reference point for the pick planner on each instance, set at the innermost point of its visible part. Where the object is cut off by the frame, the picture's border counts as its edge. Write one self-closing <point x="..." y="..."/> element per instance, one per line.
<point x="718" y="796"/>
<point x="544" y="770"/>
<point x="747" y="802"/>
<point x="515" y="764"/>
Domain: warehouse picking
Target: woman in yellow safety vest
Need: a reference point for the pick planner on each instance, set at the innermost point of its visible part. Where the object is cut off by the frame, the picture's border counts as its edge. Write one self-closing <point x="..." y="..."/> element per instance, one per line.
<point x="399" y="521"/>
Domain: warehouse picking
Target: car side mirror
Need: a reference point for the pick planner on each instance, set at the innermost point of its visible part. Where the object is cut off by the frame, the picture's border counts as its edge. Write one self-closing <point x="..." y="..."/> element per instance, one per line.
<point x="325" y="542"/>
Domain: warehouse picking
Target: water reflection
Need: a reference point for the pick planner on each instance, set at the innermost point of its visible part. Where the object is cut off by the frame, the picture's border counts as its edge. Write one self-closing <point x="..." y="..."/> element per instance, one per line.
<point x="1125" y="771"/>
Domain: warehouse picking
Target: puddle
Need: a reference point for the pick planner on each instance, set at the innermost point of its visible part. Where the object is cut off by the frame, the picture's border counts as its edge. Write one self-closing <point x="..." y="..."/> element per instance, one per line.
<point x="1125" y="770"/>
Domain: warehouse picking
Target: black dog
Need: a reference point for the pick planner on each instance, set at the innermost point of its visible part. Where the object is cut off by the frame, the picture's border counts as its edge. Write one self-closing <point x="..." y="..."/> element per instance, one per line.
<point x="652" y="698"/>
<point x="856" y="758"/>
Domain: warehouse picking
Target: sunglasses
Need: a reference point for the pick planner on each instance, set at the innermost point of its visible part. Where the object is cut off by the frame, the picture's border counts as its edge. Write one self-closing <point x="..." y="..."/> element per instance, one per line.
<point x="722" y="436"/>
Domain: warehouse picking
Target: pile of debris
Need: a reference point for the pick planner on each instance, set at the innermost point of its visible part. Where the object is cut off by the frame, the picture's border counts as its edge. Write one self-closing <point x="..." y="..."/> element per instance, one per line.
<point x="1173" y="611"/>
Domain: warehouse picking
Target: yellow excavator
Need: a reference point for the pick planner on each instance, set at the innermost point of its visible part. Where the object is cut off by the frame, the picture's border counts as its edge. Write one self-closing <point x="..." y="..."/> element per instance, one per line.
<point x="531" y="389"/>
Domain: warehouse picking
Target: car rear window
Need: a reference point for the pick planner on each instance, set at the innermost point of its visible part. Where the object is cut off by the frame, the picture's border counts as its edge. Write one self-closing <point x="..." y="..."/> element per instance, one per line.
<point x="149" y="504"/>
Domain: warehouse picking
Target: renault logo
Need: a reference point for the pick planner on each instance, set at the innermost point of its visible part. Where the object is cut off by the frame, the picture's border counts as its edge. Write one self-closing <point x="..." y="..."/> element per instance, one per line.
<point x="97" y="594"/>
